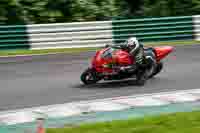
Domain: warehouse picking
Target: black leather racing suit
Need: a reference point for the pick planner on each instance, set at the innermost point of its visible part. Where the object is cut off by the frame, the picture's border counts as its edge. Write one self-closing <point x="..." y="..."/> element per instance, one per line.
<point x="141" y="57"/>
<point x="138" y="53"/>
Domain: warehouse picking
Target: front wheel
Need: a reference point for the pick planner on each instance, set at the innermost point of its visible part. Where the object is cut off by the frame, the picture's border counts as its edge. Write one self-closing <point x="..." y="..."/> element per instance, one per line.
<point x="89" y="76"/>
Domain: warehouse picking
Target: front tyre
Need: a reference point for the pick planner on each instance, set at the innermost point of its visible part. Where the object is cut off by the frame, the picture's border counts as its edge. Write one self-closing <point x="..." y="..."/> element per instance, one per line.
<point x="89" y="76"/>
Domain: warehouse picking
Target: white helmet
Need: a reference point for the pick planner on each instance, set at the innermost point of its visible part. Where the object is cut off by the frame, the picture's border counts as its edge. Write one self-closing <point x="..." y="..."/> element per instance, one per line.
<point x="132" y="42"/>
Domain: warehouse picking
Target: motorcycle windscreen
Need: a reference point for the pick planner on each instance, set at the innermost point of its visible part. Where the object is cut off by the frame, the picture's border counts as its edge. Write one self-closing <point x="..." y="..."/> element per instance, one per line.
<point x="103" y="57"/>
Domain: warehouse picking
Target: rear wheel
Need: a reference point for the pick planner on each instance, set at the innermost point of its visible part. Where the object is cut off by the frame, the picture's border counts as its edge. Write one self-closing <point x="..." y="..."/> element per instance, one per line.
<point x="151" y="66"/>
<point x="89" y="76"/>
<point x="158" y="69"/>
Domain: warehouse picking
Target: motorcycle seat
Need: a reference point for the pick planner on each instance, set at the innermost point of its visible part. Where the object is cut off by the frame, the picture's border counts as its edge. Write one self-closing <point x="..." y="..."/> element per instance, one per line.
<point x="149" y="52"/>
<point x="148" y="48"/>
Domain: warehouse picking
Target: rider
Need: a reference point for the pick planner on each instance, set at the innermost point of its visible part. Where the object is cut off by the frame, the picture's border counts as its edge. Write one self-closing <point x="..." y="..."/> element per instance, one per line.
<point x="136" y="50"/>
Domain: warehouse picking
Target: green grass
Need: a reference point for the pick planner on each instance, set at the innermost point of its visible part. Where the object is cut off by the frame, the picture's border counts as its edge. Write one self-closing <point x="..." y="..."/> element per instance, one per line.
<point x="188" y="122"/>
<point x="75" y="50"/>
<point x="43" y="51"/>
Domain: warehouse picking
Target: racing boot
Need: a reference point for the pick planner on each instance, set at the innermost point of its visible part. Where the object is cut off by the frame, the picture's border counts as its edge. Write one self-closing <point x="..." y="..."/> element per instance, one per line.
<point x="128" y="69"/>
<point x="142" y="72"/>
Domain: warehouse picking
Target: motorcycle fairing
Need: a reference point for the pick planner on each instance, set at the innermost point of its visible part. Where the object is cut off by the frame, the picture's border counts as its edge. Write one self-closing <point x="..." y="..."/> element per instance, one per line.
<point x="111" y="56"/>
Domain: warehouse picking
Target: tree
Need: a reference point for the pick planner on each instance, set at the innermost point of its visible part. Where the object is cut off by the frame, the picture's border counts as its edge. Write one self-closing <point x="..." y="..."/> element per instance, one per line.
<point x="170" y="7"/>
<point x="10" y="12"/>
<point x="88" y="10"/>
<point x="54" y="11"/>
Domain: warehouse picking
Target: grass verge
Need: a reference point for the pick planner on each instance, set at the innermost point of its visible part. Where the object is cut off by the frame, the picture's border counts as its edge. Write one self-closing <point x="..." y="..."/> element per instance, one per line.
<point x="44" y="51"/>
<point x="75" y="50"/>
<point x="186" y="122"/>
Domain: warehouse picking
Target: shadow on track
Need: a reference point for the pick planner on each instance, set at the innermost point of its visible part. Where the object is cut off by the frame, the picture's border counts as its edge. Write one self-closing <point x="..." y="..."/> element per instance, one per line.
<point x="110" y="84"/>
<point x="119" y="84"/>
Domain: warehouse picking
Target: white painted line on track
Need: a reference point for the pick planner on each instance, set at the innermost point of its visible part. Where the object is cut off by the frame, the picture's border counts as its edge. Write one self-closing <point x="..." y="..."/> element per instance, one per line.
<point x="108" y="104"/>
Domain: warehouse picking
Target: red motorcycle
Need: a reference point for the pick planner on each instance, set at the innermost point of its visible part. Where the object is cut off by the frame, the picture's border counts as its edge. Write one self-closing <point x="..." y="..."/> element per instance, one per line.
<point x="107" y="64"/>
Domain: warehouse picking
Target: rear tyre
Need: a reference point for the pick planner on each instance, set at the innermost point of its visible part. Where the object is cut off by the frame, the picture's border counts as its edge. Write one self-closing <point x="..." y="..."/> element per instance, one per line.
<point x="158" y="69"/>
<point x="89" y="76"/>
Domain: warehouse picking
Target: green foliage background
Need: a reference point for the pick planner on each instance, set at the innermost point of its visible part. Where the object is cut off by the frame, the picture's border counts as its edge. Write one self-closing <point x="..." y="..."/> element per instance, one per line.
<point x="56" y="11"/>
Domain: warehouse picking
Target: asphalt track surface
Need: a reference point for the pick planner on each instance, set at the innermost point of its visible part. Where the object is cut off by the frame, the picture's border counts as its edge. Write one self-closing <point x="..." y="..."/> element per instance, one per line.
<point x="55" y="79"/>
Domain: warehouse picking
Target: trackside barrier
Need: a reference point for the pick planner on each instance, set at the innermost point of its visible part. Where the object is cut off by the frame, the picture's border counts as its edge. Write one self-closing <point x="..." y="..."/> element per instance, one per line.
<point x="196" y="25"/>
<point x="154" y="29"/>
<point x="12" y="37"/>
<point x="70" y="34"/>
<point x="98" y="33"/>
<point x="61" y="35"/>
